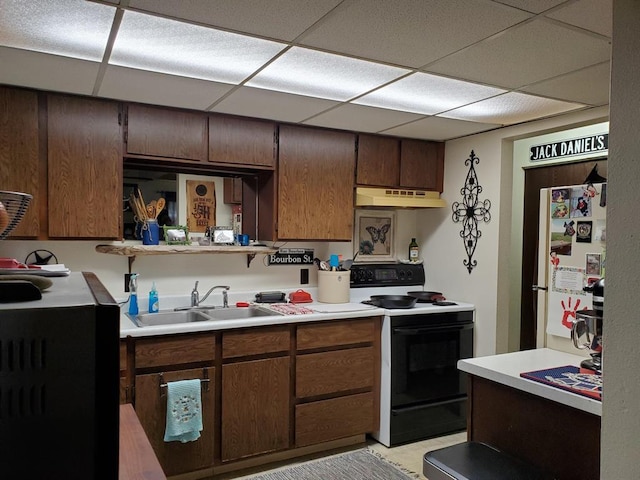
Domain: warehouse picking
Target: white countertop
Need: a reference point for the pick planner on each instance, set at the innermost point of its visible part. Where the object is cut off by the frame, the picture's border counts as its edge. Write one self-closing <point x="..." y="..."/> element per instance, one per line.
<point x="322" y="311"/>
<point x="506" y="369"/>
<point x="66" y="291"/>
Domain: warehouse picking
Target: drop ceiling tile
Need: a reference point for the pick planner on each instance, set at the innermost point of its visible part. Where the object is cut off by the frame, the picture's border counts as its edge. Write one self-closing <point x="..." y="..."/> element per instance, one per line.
<point x="177" y="48"/>
<point x="361" y="118"/>
<point x="47" y="72"/>
<point x="439" y="129"/>
<point x="511" y="108"/>
<point x="529" y="53"/>
<point x="594" y="15"/>
<point x="318" y="74"/>
<point x="284" y="107"/>
<point x="589" y="86"/>
<point x="277" y="19"/>
<point x="73" y="28"/>
<point x="533" y="6"/>
<point x="160" y="89"/>
<point x="410" y="32"/>
<point x="427" y="94"/>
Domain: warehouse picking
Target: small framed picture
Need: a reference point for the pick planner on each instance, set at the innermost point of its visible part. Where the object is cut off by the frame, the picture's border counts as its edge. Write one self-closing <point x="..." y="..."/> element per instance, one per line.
<point x="374" y="235"/>
<point x="176" y="235"/>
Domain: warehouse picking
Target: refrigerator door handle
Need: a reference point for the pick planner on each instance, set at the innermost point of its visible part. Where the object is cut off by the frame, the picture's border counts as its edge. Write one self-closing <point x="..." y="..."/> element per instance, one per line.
<point x="535" y="288"/>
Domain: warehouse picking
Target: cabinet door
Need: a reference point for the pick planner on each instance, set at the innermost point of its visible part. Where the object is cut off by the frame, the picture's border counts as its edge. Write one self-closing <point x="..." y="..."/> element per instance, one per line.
<point x="232" y="190"/>
<point x="378" y="161"/>
<point x="151" y="408"/>
<point x="242" y="141"/>
<point x="422" y="165"/>
<point x="315" y="184"/>
<point x="255" y="407"/>
<point x="19" y="170"/>
<point x="85" y="168"/>
<point x="166" y="133"/>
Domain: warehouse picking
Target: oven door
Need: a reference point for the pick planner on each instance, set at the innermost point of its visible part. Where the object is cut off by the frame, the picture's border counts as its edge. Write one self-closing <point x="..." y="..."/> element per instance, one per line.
<point x="425" y="350"/>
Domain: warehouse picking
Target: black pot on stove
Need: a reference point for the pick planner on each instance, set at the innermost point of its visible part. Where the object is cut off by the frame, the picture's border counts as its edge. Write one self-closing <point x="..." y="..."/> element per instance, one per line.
<point x="597" y="291"/>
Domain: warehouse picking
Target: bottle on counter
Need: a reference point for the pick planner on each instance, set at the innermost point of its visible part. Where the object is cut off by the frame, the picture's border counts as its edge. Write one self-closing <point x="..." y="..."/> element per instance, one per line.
<point x="133" y="294"/>
<point x="154" y="306"/>
<point x="414" y="251"/>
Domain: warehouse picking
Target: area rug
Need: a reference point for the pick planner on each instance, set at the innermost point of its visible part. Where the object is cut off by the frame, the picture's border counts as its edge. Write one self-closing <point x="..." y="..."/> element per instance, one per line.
<point x="362" y="464"/>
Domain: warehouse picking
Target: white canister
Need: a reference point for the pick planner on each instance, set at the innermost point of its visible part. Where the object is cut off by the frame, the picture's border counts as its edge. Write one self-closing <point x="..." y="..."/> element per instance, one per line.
<point x="333" y="287"/>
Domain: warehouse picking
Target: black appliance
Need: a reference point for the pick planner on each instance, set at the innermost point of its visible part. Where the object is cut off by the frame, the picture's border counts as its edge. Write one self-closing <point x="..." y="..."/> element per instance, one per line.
<point x="422" y="393"/>
<point x="428" y="392"/>
<point x="59" y="383"/>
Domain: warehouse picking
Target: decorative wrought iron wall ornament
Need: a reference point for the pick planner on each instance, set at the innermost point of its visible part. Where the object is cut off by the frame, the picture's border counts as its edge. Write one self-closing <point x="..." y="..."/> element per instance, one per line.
<point x="471" y="211"/>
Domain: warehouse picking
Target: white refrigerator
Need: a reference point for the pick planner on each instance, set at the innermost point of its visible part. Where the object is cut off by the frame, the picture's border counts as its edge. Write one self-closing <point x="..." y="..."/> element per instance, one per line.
<point x="571" y="255"/>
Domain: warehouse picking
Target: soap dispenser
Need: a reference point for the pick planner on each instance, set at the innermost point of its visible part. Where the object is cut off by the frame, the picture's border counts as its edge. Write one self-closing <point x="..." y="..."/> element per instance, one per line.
<point x="133" y="294"/>
<point x="154" y="306"/>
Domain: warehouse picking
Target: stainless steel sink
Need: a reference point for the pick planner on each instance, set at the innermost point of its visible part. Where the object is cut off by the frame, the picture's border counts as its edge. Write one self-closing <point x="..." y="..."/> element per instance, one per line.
<point x="169" y="318"/>
<point x="237" y="313"/>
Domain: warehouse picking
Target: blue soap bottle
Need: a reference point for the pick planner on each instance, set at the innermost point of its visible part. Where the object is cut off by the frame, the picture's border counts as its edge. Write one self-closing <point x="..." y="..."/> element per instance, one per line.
<point x="154" y="306"/>
<point x="133" y="294"/>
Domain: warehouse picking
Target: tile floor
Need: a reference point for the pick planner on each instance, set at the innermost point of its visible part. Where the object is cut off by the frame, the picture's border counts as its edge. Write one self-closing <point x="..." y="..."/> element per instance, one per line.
<point x="407" y="456"/>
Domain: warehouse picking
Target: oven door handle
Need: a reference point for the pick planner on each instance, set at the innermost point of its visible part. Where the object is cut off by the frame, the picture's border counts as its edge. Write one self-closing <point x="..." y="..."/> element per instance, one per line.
<point x="422" y="330"/>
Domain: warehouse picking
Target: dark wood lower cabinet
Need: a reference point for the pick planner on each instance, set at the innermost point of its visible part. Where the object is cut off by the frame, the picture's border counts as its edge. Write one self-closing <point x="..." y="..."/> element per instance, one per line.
<point x="255" y="407"/>
<point x="151" y="408"/>
<point x="560" y="439"/>
<point x="341" y="417"/>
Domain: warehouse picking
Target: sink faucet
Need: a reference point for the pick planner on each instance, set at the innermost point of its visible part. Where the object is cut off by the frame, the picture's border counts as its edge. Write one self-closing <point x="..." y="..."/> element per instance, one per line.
<point x="196" y="300"/>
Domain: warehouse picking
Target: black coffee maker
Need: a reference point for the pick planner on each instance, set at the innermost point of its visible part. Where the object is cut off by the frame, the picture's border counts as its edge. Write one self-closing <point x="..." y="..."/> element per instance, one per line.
<point x="586" y="332"/>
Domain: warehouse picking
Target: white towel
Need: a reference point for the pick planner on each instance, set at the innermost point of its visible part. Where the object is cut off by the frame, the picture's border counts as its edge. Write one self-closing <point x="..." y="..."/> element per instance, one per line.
<point x="184" y="411"/>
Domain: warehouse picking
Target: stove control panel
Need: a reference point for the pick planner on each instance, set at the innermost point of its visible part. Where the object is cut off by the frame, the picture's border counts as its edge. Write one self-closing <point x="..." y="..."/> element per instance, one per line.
<point x="386" y="275"/>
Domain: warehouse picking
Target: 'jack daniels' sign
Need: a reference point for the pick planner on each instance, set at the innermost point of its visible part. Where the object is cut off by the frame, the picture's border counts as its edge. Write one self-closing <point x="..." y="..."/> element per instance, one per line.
<point x="568" y="148"/>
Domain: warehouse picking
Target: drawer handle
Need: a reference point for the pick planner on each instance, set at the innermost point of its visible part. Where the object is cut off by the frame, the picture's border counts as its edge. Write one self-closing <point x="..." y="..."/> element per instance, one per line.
<point x="163" y="385"/>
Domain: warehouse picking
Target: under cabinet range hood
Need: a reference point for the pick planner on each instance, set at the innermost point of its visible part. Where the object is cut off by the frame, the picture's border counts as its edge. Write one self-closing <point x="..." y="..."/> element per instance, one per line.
<point x="397" y="197"/>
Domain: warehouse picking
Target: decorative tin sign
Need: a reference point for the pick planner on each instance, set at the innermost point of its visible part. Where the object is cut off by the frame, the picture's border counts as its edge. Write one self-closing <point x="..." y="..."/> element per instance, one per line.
<point x="291" y="256"/>
<point x="201" y="205"/>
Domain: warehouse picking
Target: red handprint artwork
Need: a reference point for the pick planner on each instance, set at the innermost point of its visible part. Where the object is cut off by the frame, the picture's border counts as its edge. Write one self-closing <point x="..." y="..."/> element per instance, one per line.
<point x="569" y="313"/>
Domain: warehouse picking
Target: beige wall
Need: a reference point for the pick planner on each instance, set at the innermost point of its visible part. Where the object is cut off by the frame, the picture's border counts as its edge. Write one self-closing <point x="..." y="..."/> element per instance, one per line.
<point x="621" y="391"/>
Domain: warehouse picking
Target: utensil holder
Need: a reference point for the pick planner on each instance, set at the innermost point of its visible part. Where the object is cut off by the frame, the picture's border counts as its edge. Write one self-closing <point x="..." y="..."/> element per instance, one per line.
<point x="150" y="232"/>
<point x="334" y="287"/>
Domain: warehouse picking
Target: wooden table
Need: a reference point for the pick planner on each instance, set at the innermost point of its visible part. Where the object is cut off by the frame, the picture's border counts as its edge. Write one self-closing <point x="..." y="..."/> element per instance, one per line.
<point x="137" y="458"/>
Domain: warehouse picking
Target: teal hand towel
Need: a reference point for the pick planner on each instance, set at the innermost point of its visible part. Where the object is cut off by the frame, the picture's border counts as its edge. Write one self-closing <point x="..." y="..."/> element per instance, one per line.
<point x="184" y="411"/>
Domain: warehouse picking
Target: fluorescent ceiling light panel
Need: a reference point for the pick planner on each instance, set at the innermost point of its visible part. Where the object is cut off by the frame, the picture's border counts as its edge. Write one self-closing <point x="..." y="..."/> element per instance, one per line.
<point x="70" y="28"/>
<point x="427" y="94"/>
<point x="511" y="108"/>
<point x="323" y="75"/>
<point x="160" y="45"/>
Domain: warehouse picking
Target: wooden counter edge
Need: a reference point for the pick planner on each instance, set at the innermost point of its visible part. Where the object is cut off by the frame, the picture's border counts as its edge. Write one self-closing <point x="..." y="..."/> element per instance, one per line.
<point x="138" y="461"/>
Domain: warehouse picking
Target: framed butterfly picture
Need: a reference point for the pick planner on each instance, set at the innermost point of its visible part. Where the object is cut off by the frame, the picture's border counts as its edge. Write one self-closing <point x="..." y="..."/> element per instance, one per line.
<point x="374" y="236"/>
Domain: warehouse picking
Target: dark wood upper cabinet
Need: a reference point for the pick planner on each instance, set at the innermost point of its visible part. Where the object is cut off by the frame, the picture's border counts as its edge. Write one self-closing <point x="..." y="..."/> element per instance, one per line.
<point x="84" y="167"/>
<point x="378" y="161"/>
<point x="400" y="163"/>
<point x="19" y="154"/>
<point x="422" y="165"/>
<point x="242" y="141"/>
<point x="166" y="133"/>
<point x="315" y="184"/>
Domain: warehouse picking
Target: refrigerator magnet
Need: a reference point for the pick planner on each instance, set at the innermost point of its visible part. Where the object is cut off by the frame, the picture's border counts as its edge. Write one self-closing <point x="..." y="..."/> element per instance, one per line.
<point x="583" y="232"/>
<point x="593" y="263"/>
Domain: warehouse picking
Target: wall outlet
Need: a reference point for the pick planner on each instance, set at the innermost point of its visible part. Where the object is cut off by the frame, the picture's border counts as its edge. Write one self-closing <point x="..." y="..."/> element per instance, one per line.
<point x="304" y="276"/>
<point x="127" y="276"/>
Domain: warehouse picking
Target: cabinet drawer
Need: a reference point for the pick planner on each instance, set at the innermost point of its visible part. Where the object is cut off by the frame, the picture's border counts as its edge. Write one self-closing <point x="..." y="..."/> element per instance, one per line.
<point x="175" y="350"/>
<point x="255" y="341"/>
<point x="329" y="334"/>
<point x="332" y="372"/>
<point x="336" y="418"/>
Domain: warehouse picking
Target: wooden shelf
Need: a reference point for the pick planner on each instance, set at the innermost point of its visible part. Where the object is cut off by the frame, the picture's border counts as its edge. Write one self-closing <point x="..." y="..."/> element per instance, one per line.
<point x="132" y="251"/>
